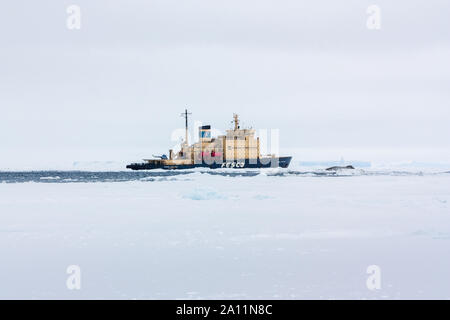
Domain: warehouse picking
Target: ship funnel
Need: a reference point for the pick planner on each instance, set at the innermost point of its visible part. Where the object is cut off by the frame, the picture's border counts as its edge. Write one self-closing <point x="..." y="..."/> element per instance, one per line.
<point x="204" y="133"/>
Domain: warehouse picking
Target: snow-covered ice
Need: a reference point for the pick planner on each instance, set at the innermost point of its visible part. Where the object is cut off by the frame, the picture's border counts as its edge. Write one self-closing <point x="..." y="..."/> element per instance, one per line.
<point x="218" y="237"/>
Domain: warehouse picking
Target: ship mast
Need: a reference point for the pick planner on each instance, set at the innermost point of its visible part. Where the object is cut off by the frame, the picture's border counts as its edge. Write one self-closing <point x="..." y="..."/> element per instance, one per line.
<point x="185" y="115"/>
<point x="236" y="121"/>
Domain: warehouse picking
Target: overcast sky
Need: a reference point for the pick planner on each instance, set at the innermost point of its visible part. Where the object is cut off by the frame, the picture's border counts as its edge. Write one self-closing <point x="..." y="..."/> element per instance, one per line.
<point x="311" y="69"/>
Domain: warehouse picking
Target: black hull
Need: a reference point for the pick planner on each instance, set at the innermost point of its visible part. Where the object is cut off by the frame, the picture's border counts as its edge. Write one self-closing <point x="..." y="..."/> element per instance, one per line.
<point x="281" y="162"/>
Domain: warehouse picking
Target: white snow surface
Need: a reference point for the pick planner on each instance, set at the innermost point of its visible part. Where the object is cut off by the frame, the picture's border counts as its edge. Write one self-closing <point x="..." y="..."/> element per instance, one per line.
<point x="217" y="237"/>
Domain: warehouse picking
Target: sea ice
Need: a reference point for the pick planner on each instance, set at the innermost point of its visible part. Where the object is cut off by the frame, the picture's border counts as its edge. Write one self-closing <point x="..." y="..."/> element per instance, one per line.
<point x="221" y="237"/>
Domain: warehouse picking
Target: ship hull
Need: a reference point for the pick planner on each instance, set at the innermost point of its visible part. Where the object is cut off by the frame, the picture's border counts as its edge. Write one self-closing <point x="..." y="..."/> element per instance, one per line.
<point x="276" y="162"/>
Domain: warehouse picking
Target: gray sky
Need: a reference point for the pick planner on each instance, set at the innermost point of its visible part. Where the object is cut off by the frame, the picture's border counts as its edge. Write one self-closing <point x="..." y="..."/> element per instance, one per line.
<point x="309" y="68"/>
